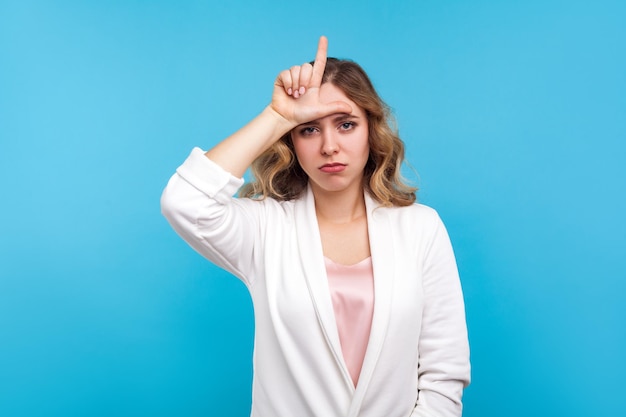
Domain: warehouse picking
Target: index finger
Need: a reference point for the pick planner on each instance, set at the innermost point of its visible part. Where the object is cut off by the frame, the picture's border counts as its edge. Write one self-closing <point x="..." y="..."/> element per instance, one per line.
<point x="320" y="62"/>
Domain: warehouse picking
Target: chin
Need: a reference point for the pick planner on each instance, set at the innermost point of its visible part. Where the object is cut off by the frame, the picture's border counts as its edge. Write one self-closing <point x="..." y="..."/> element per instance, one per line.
<point x="332" y="187"/>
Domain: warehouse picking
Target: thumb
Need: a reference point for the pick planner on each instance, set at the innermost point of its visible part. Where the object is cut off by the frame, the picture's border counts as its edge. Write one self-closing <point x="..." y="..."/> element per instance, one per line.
<point x="335" y="107"/>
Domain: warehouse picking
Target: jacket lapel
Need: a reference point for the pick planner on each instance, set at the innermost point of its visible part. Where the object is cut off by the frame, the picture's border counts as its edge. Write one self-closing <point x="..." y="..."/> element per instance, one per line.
<point x="312" y="258"/>
<point x="382" y="250"/>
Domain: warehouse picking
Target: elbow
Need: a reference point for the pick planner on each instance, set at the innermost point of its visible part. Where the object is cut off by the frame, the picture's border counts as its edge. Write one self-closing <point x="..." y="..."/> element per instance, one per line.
<point x="168" y="204"/>
<point x="172" y="206"/>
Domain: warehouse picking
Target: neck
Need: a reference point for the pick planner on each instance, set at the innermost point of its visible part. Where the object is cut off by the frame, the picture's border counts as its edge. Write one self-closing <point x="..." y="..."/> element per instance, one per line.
<point x="339" y="207"/>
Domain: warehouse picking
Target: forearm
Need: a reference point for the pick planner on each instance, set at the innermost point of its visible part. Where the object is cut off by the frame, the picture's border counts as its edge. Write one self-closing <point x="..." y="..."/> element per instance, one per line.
<point x="235" y="153"/>
<point x="433" y="404"/>
<point x="198" y="204"/>
<point x="444" y="367"/>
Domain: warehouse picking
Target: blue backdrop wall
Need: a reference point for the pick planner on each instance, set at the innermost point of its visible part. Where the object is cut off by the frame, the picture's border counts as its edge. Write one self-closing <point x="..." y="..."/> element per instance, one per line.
<point x="514" y="116"/>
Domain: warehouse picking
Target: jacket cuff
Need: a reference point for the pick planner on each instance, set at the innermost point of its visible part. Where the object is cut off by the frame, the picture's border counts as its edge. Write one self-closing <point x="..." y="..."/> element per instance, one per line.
<point x="208" y="177"/>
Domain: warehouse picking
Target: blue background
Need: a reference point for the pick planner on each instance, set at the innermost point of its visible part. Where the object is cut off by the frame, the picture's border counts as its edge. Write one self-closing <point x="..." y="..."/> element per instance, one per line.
<point x="514" y="116"/>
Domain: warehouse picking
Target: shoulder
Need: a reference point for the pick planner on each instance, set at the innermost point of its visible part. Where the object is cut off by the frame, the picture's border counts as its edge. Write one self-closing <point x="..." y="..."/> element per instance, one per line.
<point x="415" y="213"/>
<point x="409" y="217"/>
<point x="416" y="224"/>
<point x="267" y="207"/>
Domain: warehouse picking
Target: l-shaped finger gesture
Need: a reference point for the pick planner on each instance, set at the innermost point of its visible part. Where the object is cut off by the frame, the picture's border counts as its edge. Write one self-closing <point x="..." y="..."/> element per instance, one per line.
<point x="296" y="91"/>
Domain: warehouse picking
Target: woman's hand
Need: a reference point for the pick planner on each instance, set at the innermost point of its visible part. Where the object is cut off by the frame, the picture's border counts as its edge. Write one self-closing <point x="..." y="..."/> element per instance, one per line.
<point x="296" y="100"/>
<point x="296" y="91"/>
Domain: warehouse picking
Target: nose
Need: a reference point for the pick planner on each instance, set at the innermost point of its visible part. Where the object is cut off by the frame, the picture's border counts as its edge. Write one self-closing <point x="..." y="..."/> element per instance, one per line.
<point x="329" y="143"/>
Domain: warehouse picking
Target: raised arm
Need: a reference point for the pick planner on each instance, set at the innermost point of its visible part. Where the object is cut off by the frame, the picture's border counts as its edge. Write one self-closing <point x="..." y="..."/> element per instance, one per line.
<point x="198" y="199"/>
<point x="295" y="100"/>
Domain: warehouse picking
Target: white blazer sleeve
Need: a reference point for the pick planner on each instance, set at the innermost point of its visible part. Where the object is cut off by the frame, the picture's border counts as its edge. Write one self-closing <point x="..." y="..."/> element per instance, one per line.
<point x="444" y="367"/>
<point x="198" y="202"/>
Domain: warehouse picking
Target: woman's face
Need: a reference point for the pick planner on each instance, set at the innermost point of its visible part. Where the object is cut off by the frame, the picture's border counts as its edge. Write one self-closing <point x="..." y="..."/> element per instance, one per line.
<point x="333" y="150"/>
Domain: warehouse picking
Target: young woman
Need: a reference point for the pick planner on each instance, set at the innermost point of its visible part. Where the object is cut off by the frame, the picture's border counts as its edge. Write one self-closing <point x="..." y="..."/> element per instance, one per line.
<point x="357" y="300"/>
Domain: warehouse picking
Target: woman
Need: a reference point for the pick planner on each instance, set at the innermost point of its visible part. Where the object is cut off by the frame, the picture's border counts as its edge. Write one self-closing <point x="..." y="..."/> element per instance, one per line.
<point x="358" y="305"/>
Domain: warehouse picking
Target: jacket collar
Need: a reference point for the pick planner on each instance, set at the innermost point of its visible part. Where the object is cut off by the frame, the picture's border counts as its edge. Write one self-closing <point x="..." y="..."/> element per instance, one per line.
<point x="312" y="258"/>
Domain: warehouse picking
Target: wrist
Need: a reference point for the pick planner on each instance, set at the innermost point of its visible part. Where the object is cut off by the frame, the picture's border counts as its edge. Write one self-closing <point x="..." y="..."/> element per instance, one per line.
<point x="282" y="125"/>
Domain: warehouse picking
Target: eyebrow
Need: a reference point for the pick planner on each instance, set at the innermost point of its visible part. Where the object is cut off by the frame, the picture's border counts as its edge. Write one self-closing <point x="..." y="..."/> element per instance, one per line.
<point x="336" y="118"/>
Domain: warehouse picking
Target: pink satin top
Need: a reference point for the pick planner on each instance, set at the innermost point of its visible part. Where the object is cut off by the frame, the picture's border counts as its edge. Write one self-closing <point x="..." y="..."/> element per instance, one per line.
<point x="352" y="293"/>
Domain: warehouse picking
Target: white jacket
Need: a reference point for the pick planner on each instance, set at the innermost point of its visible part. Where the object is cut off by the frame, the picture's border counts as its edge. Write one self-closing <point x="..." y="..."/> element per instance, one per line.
<point x="417" y="360"/>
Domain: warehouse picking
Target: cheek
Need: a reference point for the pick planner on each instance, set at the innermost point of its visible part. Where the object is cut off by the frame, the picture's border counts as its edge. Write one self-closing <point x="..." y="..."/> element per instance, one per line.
<point x="365" y="138"/>
<point x="297" y="149"/>
<point x="365" y="143"/>
<point x="303" y="144"/>
<point x="303" y="150"/>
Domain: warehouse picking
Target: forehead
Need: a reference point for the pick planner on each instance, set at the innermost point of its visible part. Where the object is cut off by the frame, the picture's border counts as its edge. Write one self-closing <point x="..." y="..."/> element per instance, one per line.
<point x="329" y="93"/>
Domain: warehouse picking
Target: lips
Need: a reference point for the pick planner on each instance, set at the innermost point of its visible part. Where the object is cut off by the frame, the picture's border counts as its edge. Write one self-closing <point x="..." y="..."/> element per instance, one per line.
<point x="333" y="167"/>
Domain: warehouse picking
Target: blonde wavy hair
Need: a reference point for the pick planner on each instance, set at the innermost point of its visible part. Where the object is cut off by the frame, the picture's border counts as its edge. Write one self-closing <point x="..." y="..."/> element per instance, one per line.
<point x="277" y="173"/>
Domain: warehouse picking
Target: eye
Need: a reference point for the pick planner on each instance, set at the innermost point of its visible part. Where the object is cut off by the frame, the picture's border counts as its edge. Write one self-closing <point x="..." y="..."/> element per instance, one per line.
<point x="307" y="131"/>
<point x="347" y="125"/>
